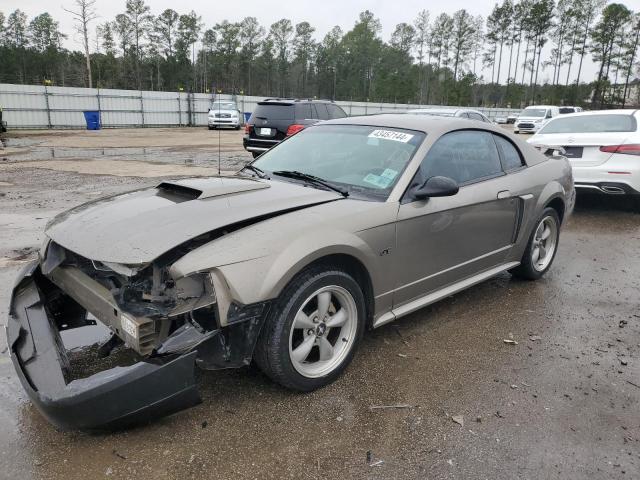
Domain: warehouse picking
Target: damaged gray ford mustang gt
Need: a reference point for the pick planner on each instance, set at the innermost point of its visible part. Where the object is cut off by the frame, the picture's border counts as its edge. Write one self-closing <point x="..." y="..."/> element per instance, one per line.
<point x="345" y="226"/>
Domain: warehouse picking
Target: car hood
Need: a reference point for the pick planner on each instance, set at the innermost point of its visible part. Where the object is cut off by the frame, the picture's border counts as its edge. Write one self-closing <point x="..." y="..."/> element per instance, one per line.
<point x="137" y="227"/>
<point x="529" y="119"/>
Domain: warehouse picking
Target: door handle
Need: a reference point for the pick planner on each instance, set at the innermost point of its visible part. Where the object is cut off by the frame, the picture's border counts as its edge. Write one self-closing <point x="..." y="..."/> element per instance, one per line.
<point x="503" y="194"/>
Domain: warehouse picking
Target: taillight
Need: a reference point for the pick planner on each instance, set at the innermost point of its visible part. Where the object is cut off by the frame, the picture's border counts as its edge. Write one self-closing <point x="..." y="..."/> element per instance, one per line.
<point x="628" y="149"/>
<point x="293" y="129"/>
<point x="247" y="128"/>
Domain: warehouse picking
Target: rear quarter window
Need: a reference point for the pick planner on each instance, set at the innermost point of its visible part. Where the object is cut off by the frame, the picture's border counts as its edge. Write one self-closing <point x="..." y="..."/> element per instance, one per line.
<point x="303" y="111"/>
<point x="511" y="158"/>
<point x="592" y="124"/>
<point x="335" y="111"/>
<point x="321" y="109"/>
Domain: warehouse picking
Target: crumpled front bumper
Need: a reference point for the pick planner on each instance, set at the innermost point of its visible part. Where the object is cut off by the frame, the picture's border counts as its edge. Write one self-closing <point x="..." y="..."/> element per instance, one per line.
<point x="108" y="399"/>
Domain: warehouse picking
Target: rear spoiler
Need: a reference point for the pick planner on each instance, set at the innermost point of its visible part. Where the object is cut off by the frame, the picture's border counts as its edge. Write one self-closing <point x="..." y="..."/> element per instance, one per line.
<point x="552" y="151"/>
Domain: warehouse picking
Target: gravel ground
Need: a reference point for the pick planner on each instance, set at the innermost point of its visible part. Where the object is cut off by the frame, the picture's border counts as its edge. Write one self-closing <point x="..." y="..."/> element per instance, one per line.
<point x="563" y="403"/>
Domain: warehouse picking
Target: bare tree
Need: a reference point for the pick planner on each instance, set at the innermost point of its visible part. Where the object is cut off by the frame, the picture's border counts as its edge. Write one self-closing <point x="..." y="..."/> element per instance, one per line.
<point x="422" y="39"/>
<point x="478" y="40"/>
<point x="84" y="14"/>
<point x="520" y="18"/>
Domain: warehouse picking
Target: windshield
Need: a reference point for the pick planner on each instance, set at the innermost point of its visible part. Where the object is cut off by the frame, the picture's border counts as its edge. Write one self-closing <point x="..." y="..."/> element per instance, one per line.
<point x="223" y="106"/>
<point x="533" y="112"/>
<point x="363" y="160"/>
<point x="591" y="124"/>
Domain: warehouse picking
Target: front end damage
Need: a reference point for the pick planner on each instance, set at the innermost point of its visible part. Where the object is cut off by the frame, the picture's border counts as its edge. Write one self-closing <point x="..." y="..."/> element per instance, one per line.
<point x="169" y="326"/>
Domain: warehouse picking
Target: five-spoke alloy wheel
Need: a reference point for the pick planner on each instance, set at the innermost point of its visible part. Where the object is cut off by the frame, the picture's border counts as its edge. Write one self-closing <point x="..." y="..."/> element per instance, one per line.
<point x="312" y="332"/>
<point x="544" y="243"/>
<point x="542" y="247"/>
<point x="323" y="331"/>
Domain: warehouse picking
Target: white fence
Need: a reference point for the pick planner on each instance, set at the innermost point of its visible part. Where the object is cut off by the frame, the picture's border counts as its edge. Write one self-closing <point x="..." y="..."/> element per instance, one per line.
<point x="34" y="106"/>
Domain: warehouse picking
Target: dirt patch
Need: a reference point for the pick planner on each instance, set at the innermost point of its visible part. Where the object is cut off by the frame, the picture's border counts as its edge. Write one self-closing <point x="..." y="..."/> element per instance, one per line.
<point x="230" y="140"/>
<point x="120" y="168"/>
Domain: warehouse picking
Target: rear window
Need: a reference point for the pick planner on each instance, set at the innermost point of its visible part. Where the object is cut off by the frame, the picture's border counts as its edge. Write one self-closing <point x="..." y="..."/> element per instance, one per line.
<point x="567" y="110"/>
<point x="476" y="116"/>
<point x="274" y="111"/>
<point x="591" y="124"/>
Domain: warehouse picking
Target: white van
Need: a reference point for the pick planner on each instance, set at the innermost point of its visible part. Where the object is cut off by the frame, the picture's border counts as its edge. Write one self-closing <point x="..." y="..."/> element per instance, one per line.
<point x="533" y="118"/>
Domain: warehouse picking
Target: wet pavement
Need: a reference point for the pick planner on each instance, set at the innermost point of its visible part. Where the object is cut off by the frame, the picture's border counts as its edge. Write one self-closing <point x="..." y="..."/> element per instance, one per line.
<point x="564" y="402"/>
<point x="198" y="147"/>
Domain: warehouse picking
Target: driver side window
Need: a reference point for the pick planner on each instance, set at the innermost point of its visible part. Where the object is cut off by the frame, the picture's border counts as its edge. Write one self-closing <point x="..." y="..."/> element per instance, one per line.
<point x="466" y="156"/>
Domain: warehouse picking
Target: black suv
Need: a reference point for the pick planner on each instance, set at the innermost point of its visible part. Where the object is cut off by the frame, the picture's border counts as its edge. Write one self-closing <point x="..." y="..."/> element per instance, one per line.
<point x="275" y="119"/>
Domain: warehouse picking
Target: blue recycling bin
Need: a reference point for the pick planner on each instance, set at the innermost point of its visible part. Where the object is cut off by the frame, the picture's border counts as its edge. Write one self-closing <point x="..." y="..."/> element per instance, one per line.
<point x="247" y="116"/>
<point x="93" y="120"/>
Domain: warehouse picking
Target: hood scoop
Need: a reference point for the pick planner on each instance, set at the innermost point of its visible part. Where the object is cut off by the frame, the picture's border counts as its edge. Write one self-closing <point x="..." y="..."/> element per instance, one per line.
<point x="201" y="188"/>
<point x="136" y="227"/>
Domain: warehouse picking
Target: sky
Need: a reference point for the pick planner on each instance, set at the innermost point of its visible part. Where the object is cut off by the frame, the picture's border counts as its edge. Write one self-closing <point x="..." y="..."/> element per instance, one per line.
<point x="322" y="14"/>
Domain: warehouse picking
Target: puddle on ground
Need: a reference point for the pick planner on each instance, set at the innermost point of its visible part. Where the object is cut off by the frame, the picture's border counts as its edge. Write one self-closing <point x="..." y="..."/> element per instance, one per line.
<point x="168" y="155"/>
<point x="82" y="338"/>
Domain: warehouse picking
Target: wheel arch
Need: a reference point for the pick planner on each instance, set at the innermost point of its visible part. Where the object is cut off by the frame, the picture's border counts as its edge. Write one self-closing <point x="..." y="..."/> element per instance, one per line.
<point x="267" y="277"/>
<point x="557" y="203"/>
<point x="354" y="267"/>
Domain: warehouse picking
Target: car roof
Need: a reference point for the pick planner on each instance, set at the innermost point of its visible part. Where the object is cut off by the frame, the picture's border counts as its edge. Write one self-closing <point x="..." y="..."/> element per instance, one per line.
<point x="452" y="111"/>
<point x="431" y="124"/>
<point x="290" y="101"/>
<point x="617" y="111"/>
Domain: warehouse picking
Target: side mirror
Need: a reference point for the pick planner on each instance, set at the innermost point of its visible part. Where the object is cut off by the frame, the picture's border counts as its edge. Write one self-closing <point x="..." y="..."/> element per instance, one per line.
<point x="436" y="187"/>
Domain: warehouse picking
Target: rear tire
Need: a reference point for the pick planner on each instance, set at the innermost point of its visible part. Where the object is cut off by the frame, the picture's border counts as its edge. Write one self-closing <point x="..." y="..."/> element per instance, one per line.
<point x="541" y="248"/>
<point x="313" y="329"/>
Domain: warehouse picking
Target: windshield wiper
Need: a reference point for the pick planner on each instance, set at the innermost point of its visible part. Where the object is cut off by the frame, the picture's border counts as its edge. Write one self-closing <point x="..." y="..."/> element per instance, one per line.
<point x="256" y="170"/>
<point x="311" y="179"/>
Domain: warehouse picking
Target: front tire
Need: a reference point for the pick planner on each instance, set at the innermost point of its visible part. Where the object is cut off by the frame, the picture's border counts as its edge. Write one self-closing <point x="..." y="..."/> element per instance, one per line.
<point x="542" y="247"/>
<point x="313" y="330"/>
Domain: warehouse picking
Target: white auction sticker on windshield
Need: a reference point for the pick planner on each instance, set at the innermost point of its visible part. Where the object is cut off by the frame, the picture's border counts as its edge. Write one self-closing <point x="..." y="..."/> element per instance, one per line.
<point x="391" y="135"/>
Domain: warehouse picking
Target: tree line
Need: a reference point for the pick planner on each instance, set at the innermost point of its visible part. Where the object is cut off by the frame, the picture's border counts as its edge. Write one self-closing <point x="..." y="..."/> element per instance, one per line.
<point x="524" y="52"/>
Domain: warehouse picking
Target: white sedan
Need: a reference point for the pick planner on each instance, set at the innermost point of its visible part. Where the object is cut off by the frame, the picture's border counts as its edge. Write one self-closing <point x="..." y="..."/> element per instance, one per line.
<point x="602" y="146"/>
